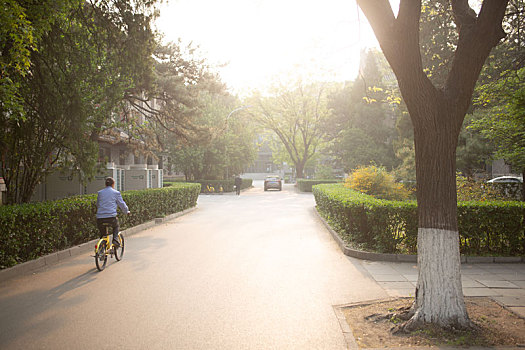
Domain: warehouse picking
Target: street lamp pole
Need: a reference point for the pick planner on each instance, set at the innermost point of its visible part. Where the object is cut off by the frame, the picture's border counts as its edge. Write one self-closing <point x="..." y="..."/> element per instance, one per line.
<point x="226" y="144"/>
<point x="235" y="110"/>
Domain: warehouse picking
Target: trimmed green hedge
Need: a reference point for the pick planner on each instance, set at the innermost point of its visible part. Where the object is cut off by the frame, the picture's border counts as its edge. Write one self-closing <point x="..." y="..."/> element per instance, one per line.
<point x="227" y="185"/>
<point x="168" y="183"/>
<point x="508" y="190"/>
<point x="29" y="231"/>
<point x="485" y="228"/>
<point x="492" y="228"/>
<point x="306" y="185"/>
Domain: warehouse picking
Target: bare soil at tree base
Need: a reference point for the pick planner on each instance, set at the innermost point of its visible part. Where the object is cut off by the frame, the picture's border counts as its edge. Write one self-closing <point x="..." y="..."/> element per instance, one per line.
<point x="372" y="325"/>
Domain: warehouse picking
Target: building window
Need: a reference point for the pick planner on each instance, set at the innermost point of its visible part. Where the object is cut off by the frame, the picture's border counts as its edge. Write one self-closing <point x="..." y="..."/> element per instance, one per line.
<point x="122" y="157"/>
<point x="104" y="155"/>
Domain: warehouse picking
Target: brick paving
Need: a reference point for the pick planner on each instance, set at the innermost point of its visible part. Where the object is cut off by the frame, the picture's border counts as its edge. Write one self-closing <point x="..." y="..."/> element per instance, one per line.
<point x="505" y="283"/>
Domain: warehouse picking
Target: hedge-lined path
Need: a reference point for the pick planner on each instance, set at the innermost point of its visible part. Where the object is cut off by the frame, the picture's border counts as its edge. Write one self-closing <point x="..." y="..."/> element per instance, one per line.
<point x="253" y="271"/>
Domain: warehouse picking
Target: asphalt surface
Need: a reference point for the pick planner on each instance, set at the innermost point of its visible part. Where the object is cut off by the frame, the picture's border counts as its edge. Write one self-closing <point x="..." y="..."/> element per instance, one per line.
<point x="255" y="271"/>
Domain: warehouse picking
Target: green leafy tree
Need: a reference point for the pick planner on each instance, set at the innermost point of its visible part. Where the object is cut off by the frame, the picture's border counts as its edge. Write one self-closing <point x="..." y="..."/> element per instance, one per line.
<point x="438" y="38"/>
<point x="296" y="114"/>
<point x="355" y="148"/>
<point x="281" y="156"/>
<point x="226" y="147"/>
<point x="503" y="122"/>
<point x="189" y="160"/>
<point x="88" y="54"/>
<point x="404" y="147"/>
<point x="241" y="148"/>
<point x="360" y="131"/>
<point x="20" y="33"/>
<point x="16" y="41"/>
<point x="474" y="150"/>
<point x="406" y="171"/>
<point x="510" y="54"/>
<point x="323" y="172"/>
<point x="171" y="100"/>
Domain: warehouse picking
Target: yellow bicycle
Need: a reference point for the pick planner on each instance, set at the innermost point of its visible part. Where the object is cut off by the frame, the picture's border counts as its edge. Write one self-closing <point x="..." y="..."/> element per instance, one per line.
<point x="105" y="248"/>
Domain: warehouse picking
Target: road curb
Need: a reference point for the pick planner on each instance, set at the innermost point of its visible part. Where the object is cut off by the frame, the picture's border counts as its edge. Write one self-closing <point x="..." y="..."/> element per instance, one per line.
<point x="359" y="254"/>
<point x="56" y="257"/>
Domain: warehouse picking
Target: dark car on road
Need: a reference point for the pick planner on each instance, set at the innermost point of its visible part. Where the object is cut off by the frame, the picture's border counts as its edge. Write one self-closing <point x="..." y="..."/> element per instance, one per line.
<point x="274" y="182"/>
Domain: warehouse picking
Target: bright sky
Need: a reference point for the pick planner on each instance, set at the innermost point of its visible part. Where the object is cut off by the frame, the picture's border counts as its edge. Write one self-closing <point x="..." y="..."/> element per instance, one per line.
<point x="261" y="40"/>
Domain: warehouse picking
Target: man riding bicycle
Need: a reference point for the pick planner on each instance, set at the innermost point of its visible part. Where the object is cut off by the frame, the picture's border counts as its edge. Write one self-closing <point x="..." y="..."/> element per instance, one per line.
<point x="107" y="201"/>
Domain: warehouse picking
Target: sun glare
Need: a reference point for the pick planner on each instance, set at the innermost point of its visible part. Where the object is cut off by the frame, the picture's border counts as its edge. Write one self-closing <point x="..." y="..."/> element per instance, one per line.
<point x="255" y="42"/>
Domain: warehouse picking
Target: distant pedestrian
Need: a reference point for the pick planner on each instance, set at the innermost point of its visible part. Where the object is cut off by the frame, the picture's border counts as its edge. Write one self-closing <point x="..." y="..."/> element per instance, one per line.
<point x="238" y="184"/>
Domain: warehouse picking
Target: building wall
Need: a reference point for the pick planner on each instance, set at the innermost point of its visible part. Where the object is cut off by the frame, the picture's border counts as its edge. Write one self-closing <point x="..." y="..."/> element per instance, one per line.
<point x="58" y="185"/>
<point x="500" y="168"/>
<point x="129" y="171"/>
<point x="2" y="191"/>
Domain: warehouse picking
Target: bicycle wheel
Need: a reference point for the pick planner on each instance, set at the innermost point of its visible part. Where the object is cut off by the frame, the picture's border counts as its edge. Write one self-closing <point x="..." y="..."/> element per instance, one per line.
<point x="101" y="257"/>
<point x="119" y="252"/>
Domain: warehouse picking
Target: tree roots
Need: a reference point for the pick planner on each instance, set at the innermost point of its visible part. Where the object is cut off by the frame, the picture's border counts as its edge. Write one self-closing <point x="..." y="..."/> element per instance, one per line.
<point x="406" y="321"/>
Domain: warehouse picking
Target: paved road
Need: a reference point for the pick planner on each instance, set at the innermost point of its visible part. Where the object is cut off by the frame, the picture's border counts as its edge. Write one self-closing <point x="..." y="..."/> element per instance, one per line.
<point x="257" y="271"/>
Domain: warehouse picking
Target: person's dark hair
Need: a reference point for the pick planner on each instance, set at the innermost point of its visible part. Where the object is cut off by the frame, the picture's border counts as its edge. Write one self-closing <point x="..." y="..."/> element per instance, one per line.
<point x="109" y="181"/>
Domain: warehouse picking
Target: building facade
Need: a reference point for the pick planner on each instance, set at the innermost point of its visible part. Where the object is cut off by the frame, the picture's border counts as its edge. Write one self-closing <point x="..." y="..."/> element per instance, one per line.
<point x="118" y="158"/>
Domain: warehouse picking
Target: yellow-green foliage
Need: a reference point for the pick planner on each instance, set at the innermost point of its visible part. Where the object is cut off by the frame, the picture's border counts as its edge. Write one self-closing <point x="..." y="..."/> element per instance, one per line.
<point x="376" y="181"/>
<point x="470" y="190"/>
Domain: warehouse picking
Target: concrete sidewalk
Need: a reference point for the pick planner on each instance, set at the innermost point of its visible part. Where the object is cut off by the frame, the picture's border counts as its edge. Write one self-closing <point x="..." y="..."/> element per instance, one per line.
<point x="505" y="283"/>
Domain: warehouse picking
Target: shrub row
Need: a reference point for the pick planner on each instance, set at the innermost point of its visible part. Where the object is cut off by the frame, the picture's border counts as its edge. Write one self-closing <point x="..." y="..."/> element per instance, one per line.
<point x="306" y="185"/>
<point x="29" y="231"/>
<point x="214" y="186"/>
<point x="485" y="228"/>
<point x="168" y="183"/>
<point x="508" y="190"/>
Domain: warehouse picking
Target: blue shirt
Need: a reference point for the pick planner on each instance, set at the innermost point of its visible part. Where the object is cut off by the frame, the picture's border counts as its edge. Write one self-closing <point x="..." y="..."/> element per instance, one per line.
<point x="107" y="201"/>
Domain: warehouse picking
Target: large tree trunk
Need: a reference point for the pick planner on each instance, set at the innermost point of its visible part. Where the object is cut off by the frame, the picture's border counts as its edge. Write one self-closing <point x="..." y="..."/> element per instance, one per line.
<point x="439" y="294"/>
<point x="437" y="115"/>
<point x="299" y="169"/>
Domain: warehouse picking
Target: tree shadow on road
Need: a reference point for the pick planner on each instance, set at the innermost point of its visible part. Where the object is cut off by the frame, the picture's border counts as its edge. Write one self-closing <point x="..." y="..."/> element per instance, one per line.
<point x="36" y="313"/>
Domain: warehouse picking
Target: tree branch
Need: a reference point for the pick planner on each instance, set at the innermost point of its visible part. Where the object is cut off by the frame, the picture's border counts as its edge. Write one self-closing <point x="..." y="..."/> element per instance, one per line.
<point x="477" y="36"/>
<point x="409" y="14"/>
<point x="464" y="15"/>
<point x="380" y="15"/>
<point x="399" y="41"/>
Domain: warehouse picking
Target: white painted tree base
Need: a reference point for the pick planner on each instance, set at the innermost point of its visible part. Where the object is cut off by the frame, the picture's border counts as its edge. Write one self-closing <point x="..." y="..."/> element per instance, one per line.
<point x="439" y="294"/>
